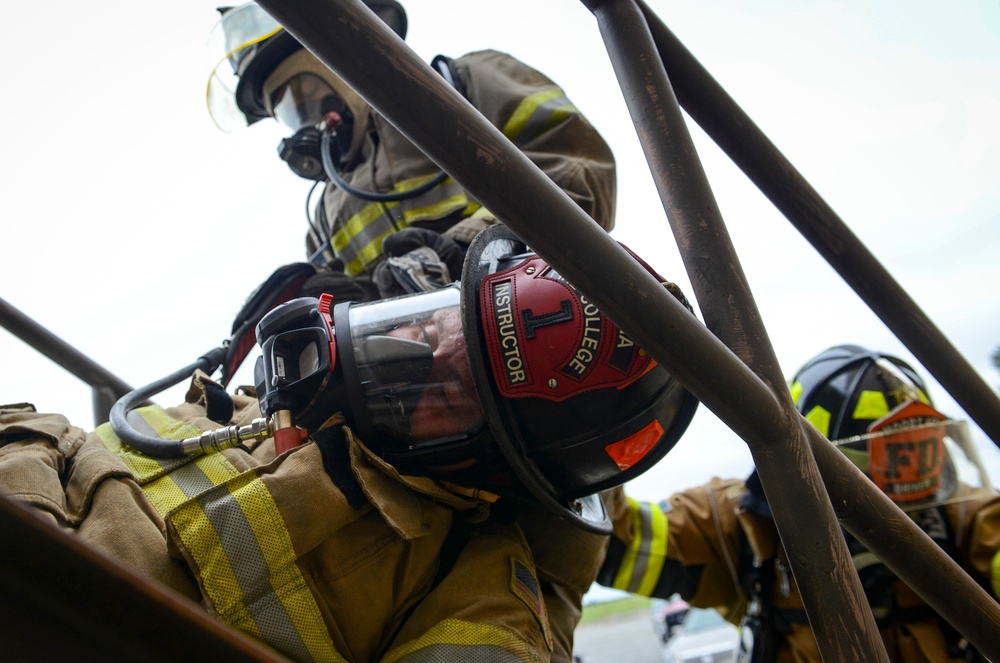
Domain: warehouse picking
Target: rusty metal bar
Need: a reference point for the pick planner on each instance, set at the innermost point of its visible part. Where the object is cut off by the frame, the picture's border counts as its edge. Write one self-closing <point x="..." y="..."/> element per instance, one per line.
<point x="60" y="599"/>
<point x="901" y="545"/>
<point x="750" y="149"/>
<point x="106" y="387"/>
<point x="965" y="605"/>
<point x="415" y="99"/>
<point x="842" y="621"/>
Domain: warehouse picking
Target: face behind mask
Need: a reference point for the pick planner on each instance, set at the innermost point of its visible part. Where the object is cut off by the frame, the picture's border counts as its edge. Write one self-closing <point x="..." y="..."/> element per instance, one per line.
<point x="300" y="93"/>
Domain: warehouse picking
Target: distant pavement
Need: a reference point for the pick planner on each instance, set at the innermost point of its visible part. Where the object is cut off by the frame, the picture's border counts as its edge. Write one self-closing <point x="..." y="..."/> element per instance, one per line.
<point x="623" y="638"/>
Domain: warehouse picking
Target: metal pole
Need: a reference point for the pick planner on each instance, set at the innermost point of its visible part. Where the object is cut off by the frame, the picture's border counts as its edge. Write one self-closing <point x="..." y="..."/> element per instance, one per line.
<point x="67" y="600"/>
<point x="750" y="149"/>
<point x="902" y="546"/>
<point x="842" y="621"/>
<point x="376" y="63"/>
<point x="107" y="387"/>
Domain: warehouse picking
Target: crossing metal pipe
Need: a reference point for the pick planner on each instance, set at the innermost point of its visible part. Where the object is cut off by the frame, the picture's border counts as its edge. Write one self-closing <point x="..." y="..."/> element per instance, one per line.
<point x="843" y="624"/>
<point x="764" y="164"/>
<point x="106" y="387"/>
<point x="347" y="37"/>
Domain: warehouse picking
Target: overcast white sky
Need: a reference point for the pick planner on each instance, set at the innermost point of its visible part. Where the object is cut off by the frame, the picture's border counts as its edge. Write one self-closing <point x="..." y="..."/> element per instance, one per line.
<point x="134" y="229"/>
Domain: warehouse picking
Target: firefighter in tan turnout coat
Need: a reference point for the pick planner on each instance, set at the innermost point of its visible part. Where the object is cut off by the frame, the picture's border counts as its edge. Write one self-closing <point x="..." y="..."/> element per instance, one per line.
<point x="389" y="222"/>
<point x="446" y="496"/>
<point x="717" y="545"/>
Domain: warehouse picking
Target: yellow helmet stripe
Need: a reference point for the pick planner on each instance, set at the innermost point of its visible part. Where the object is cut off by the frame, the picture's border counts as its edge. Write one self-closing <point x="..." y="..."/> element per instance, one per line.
<point x="871" y="405"/>
<point x="820" y="418"/>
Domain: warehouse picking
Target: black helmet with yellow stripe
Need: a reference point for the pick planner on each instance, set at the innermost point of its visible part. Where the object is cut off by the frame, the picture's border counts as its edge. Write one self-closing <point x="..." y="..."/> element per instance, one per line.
<point x="844" y="389"/>
<point x="876" y="409"/>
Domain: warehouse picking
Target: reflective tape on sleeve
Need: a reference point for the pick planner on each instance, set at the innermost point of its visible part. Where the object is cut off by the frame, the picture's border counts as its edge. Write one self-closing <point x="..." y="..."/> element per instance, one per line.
<point x="995" y="575"/>
<point x="642" y="562"/>
<point x="536" y="114"/>
<point x="237" y="539"/>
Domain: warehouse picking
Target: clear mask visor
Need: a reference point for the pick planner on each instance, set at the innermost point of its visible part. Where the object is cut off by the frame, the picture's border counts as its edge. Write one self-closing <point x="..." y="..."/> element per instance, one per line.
<point x="413" y="372"/>
<point x="230" y="42"/>
<point x="303" y="100"/>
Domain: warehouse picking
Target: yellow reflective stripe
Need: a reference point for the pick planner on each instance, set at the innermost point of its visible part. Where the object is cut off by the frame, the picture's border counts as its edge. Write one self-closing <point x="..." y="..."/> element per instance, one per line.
<point x="457" y="640"/>
<point x="871" y="405"/>
<point x="623" y="578"/>
<point x="170" y="491"/>
<point x="355" y="225"/>
<point x="149" y="420"/>
<point x="438" y="209"/>
<point x="536" y="114"/>
<point x="236" y="538"/>
<point x="642" y="562"/>
<point x="167" y="482"/>
<point x="368" y="253"/>
<point x="995" y="575"/>
<point x="244" y="557"/>
<point x="657" y="551"/>
<point x="359" y="241"/>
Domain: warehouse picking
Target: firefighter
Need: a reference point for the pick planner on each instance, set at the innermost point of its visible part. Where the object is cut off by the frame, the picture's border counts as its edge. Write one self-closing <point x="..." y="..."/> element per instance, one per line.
<point x="390" y="534"/>
<point x="721" y="549"/>
<point x="389" y="221"/>
<point x="382" y="197"/>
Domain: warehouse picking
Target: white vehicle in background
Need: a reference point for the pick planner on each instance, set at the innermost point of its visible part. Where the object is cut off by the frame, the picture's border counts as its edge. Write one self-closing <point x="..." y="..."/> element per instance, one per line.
<point x="703" y="637"/>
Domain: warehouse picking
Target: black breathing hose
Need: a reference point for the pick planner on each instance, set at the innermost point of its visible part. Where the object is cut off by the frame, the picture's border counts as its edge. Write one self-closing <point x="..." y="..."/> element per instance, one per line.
<point x="326" y="146"/>
<point x="158" y="447"/>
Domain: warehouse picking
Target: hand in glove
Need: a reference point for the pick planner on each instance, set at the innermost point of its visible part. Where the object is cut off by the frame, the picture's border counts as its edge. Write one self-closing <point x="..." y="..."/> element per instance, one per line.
<point x="418" y="260"/>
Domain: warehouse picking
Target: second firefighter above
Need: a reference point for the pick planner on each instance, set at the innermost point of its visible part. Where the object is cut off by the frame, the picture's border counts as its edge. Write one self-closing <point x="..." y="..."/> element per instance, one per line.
<point x="376" y="182"/>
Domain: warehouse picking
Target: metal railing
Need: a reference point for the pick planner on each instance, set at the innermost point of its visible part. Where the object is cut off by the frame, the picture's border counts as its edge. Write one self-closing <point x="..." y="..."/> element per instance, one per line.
<point x="728" y="362"/>
<point x="105" y="386"/>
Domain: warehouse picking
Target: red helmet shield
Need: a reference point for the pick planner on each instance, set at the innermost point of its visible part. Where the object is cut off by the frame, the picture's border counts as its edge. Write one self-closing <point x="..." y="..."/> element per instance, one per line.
<point x="545" y="340"/>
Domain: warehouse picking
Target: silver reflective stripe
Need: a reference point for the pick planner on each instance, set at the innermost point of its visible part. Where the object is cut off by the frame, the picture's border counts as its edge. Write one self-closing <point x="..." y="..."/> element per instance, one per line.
<point x="252" y="573"/>
<point x="189" y="477"/>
